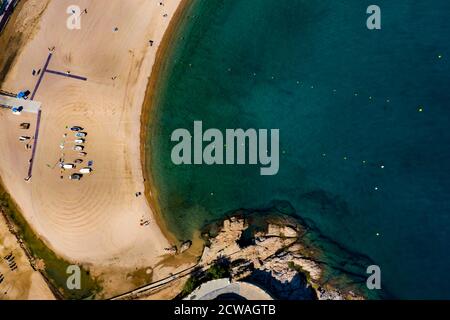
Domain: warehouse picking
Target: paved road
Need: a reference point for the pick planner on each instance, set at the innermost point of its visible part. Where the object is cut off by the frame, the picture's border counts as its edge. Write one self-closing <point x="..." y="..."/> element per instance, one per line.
<point x="212" y="289"/>
<point x="8" y="14"/>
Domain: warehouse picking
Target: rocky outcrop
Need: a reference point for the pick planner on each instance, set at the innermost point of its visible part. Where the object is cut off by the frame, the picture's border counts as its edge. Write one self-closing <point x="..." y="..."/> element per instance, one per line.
<point x="276" y="260"/>
<point x="171" y="250"/>
<point x="185" y="246"/>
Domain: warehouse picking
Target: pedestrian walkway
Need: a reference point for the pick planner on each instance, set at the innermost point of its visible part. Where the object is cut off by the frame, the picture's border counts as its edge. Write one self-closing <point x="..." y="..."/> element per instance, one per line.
<point x="28" y="105"/>
<point x="222" y="287"/>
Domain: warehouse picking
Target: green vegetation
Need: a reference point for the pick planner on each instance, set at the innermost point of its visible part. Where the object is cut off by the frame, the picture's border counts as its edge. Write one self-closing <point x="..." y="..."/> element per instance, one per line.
<point x="216" y="271"/>
<point x="141" y="276"/>
<point x="192" y="283"/>
<point x="295" y="267"/>
<point x="299" y="269"/>
<point x="55" y="267"/>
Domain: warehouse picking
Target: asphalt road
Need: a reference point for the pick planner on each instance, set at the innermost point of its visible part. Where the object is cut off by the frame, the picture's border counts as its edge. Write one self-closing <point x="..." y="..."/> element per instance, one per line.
<point x="8" y="14"/>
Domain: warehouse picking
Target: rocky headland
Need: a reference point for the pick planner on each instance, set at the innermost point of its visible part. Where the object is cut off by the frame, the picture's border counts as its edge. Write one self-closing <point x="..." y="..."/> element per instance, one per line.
<point x="282" y="255"/>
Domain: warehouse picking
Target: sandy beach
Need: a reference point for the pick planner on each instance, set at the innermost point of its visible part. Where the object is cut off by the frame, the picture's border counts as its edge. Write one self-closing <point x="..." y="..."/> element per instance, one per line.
<point x="20" y="281"/>
<point x="96" y="78"/>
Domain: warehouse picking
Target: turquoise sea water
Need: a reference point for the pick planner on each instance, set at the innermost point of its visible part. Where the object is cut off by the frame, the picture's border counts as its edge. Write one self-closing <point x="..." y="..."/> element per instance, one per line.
<point x="359" y="159"/>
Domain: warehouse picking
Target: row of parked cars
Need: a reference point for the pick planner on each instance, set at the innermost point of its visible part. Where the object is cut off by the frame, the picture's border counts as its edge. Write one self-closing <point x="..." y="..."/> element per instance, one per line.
<point x="80" y="140"/>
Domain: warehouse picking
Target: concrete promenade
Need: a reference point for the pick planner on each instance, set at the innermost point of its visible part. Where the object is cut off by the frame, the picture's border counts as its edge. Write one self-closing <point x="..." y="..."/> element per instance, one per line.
<point x="212" y="289"/>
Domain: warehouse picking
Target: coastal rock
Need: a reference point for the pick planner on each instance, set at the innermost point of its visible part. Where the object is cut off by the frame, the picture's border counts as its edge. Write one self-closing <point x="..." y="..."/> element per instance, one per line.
<point x="277" y="261"/>
<point x="234" y="224"/>
<point x="171" y="250"/>
<point x="281" y="231"/>
<point x="185" y="246"/>
<point x="296" y="263"/>
<point x="225" y="243"/>
<point x="323" y="294"/>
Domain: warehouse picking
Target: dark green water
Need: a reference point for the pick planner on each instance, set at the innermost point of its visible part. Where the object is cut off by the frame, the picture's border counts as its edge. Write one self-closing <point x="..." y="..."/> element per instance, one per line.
<point x="358" y="158"/>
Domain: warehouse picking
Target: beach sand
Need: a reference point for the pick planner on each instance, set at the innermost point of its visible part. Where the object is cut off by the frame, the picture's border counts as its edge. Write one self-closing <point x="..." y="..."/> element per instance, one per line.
<point x="95" y="221"/>
<point x="23" y="282"/>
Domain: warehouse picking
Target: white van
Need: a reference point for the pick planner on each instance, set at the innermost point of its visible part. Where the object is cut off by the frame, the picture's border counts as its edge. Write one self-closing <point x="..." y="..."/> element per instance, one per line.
<point x="86" y="170"/>
<point x="69" y="166"/>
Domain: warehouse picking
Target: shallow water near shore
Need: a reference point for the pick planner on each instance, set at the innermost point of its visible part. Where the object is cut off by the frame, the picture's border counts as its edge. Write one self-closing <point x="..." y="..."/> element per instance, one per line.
<point x="363" y="122"/>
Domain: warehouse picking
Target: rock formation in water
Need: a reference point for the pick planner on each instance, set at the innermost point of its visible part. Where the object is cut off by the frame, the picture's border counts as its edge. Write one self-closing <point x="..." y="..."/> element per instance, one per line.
<point x="276" y="257"/>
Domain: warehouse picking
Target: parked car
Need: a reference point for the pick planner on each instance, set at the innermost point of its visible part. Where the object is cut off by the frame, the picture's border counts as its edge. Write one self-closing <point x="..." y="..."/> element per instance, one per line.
<point x="79" y="141"/>
<point x="76" y="128"/>
<point x="25" y="125"/>
<point x="76" y="176"/>
<point x="81" y="134"/>
<point x="23" y="94"/>
<point x="83" y="154"/>
<point x="24" y="138"/>
<point x="78" y="161"/>
<point x="86" y="170"/>
<point x="17" y="110"/>
<point x="68" y="166"/>
<point x="78" y="148"/>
